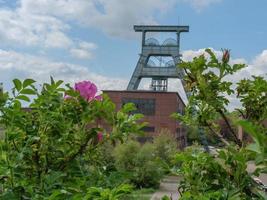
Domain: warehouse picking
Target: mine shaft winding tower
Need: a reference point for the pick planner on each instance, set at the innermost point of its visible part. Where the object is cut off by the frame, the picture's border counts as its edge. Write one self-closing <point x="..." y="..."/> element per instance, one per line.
<point x="151" y="47"/>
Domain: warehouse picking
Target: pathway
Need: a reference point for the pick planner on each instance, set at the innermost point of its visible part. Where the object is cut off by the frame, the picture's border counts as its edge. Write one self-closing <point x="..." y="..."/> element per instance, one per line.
<point x="168" y="186"/>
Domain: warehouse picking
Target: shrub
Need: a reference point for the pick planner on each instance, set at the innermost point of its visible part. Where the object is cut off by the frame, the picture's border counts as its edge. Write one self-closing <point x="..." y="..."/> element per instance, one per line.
<point x="48" y="151"/>
<point x="225" y="177"/>
<point x="105" y="157"/>
<point x="139" y="162"/>
<point x="165" y="147"/>
<point x="147" y="172"/>
<point x="125" y="155"/>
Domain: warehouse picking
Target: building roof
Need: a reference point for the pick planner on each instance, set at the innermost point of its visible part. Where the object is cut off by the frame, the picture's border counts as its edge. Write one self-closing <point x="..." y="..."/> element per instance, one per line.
<point x="145" y="91"/>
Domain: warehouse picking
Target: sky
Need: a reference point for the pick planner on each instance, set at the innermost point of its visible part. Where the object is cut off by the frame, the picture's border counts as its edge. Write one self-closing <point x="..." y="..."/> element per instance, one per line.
<point x="94" y="40"/>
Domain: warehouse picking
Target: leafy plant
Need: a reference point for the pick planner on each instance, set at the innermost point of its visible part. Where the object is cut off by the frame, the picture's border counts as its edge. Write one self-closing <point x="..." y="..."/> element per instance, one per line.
<point x="222" y="178"/>
<point x="94" y="193"/>
<point x="206" y="81"/>
<point x="253" y="96"/>
<point x="165" y="147"/>
<point x="139" y="162"/>
<point x="47" y="149"/>
<point x="226" y="176"/>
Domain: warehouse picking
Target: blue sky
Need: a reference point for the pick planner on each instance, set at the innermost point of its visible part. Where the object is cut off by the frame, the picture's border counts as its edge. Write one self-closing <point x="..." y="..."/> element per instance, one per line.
<point x="93" y="39"/>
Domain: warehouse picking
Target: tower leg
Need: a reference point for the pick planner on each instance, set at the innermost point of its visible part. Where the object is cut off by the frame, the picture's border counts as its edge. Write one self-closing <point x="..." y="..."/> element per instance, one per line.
<point x="136" y="78"/>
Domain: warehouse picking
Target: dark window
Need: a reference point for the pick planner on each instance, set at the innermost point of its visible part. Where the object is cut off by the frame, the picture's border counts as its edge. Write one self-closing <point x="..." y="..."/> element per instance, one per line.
<point x="148" y="129"/>
<point x="144" y="139"/>
<point x="143" y="106"/>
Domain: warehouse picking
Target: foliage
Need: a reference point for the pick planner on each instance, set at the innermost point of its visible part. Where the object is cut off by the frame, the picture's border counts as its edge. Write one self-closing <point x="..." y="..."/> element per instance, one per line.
<point x="226" y="176"/>
<point x="142" y="194"/>
<point x="48" y="149"/>
<point x="94" y="193"/>
<point x="259" y="147"/>
<point x="253" y="96"/>
<point x="222" y="178"/>
<point x="165" y="146"/>
<point x="139" y="162"/>
<point x="206" y="81"/>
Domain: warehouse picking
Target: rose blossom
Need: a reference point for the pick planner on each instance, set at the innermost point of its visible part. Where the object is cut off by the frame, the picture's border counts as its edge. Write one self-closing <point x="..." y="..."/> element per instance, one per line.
<point x="87" y="90"/>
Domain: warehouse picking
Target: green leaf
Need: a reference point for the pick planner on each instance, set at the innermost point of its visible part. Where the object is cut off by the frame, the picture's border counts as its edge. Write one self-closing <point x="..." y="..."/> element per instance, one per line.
<point x="23" y="97"/>
<point x="254" y="147"/>
<point x="52" y="80"/>
<point x="28" y="91"/>
<point x="28" y="82"/>
<point x="128" y="107"/>
<point x="18" y="84"/>
<point x="58" y="83"/>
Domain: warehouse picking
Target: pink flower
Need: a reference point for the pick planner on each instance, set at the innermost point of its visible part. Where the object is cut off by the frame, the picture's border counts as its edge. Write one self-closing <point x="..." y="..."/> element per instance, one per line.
<point x="66" y="97"/>
<point x="87" y="90"/>
<point x="99" y="137"/>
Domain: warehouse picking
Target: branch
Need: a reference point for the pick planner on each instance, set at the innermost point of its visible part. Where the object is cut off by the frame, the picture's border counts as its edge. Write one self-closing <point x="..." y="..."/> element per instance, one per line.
<point x="73" y="156"/>
<point x="218" y="135"/>
<point x="241" y="112"/>
<point x="237" y="141"/>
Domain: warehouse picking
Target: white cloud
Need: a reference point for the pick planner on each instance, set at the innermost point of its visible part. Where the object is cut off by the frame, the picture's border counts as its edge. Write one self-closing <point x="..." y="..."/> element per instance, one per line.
<point x="45" y="23"/>
<point x="199" y="5"/>
<point x="57" y="39"/>
<point x="20" y="65"/>
<point x="18" y="27"/>
<point x="80" y="53"/>
<point x="84" y="50"/>
<point x="113" y="17"/>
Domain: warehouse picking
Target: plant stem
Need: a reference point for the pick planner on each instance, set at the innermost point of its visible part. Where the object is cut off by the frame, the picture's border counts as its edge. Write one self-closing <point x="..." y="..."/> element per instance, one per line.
<point x="237" y="141"/>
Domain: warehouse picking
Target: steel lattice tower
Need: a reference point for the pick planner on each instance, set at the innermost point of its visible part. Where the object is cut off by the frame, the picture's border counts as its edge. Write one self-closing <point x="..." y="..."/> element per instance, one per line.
<point x="159" y="74"/>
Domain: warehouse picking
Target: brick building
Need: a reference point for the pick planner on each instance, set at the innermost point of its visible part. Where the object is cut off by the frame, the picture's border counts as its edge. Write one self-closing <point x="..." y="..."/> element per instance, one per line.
<point x="156" y="106"/>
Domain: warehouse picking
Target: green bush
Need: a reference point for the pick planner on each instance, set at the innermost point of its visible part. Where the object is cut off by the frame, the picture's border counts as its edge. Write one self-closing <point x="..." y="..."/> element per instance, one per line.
<point x="139" y="162"/>
<point x="225" y="177"/>
<point x="165" y="147"/>
<point x="105" y="157"/>
<point x="50" y="151"/>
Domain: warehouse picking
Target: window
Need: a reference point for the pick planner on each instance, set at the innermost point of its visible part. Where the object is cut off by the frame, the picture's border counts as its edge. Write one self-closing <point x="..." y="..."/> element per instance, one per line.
<point x="143" y="106"/>
<point x="148" y="129"/>
<point x="180" y="109"/>
<point x="144" y="139"/>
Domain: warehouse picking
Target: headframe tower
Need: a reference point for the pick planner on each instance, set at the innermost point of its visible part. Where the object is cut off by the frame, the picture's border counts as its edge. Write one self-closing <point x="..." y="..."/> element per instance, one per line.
<point x="150" y="47"/>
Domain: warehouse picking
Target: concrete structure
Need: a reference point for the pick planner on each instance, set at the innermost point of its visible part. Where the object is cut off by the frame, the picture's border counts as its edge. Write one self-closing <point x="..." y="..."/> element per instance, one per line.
<point x="157" y="108"/>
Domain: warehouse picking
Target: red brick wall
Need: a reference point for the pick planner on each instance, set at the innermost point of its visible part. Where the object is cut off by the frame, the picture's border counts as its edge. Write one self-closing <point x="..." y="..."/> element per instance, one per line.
<point x="166" y="103"/>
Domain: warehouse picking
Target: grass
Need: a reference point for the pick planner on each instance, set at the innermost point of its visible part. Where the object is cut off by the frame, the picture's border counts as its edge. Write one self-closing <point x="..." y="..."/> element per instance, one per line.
<point x="142" y="194"/>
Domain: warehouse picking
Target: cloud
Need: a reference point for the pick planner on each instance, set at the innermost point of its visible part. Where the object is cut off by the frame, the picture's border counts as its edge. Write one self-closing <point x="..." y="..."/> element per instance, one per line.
<point x="113" y="17"/>
<point x="39" y="23"/>
<point x="83" y="51"/>
<point x="35" y="28"/>
<point x="199" y="5"/>
<point x="18" y="27"/>
<point x="57" y="39"/>
<point x="21" y="65"/>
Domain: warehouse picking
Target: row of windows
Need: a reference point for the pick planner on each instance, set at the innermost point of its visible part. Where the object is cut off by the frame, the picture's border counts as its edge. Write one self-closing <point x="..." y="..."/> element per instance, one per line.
<point x="148" y="129"/>
<point x="143" y="106"/>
